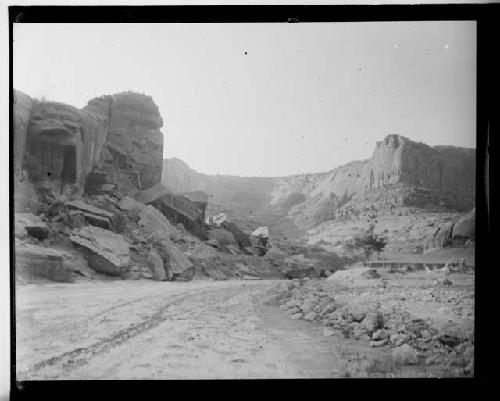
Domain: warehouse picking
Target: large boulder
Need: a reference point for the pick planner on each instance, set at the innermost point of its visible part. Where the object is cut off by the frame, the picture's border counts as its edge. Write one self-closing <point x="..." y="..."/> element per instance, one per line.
<point x="129" y="204"/>
<point x="261" y="232"/>
<point x="177" y="265"/>
<point x="156" y="263"/>
<point x="38" y="261"/>
<point x="443" y="236"/>
<point x="298" y="267"/>
<point x="276" y="256"/>
<point x="95" y="216"/>
<point x="465" y="226"/>
<point x="217" y="220"/>
<point x="28" y="223"/>
<point x="153" y="221"/>
<point x="221" y="236"/>
<point x="106" y="251"/>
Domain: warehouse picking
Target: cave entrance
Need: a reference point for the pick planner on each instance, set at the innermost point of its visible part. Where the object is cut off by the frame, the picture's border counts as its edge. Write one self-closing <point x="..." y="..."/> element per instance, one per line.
<point x="68" y="171"/>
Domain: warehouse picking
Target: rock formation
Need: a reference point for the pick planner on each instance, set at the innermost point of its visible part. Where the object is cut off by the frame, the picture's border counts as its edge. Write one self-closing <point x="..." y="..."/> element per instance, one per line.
<point x="132" y="157"/>
<point x="400" y="175"/>
<point x="113" y="140"/>
<point x="23" y="106"/>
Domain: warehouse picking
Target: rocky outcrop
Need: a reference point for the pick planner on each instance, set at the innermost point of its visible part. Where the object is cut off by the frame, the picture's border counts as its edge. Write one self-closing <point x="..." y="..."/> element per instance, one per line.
<point x="114" y="142"/>
<point x="105" y="251"/>
<point x="23" y="106"/>
<point x="133" y="155"/>
<point x="66" y="141"/>
<point x="178" y="209"/>
<point x="401" y="175"/>
<point x="465" y="227"/>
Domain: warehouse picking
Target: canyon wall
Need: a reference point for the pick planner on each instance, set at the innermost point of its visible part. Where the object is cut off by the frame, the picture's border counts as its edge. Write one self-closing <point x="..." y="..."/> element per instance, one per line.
<point x="400" y="173"/>
<point x="23" y="105"/>
<point x="113" y="140"/>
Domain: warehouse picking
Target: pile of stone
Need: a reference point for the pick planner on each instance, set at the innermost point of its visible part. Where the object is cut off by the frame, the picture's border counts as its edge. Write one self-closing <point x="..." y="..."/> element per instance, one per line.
<point x="412" y="340"/>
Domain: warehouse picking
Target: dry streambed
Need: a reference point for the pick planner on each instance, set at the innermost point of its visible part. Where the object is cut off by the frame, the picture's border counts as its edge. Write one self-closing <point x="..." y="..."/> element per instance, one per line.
<point x="419" y="319"/>
<point x="235" y="329"/>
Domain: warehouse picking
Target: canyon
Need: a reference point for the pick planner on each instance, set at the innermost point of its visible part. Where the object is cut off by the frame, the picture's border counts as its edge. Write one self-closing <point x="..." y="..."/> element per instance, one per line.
<point x="119" y="251"/>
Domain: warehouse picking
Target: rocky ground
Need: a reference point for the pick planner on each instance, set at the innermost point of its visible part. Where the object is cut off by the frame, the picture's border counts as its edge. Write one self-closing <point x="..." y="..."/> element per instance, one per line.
<point x="195" y="330"/>
<point x="419" y="318"/>
<point x="351" y="326"/>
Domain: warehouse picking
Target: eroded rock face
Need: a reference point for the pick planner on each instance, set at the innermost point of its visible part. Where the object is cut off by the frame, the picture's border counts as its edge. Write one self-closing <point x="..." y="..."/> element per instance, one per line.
<point x="66" y="141"/>
<point x="23" y="106"/>
<point x="400" y="173"/>
<point x="113" y="140"/>
<point x="133" y="155"/>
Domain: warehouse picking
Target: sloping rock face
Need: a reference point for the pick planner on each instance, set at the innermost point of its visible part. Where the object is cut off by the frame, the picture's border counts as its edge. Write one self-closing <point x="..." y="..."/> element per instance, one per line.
<point x="133" y="155"/>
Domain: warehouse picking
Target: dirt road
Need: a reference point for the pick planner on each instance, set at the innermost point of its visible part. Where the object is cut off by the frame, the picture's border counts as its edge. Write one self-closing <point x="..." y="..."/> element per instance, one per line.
<point x="164" y="330"/>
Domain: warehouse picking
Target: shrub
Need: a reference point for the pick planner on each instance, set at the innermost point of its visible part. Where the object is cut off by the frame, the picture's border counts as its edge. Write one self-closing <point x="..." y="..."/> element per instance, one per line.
<point x="369" y="243"/>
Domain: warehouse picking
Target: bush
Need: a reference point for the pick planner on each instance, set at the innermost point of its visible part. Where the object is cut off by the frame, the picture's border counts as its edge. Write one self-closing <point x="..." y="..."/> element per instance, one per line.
<point x="369" y="243"/>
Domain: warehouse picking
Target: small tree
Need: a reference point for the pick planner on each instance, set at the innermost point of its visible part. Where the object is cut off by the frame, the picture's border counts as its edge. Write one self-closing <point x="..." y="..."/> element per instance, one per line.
<point x="369" y="243"/>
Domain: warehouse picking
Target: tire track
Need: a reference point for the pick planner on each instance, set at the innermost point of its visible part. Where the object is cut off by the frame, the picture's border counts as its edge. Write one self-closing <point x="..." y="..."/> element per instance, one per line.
<point x="77" y="357"/>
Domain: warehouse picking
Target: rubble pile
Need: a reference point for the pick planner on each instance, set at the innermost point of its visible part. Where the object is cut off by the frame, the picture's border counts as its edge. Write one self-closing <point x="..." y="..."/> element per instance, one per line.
<point x="434" y="327"/>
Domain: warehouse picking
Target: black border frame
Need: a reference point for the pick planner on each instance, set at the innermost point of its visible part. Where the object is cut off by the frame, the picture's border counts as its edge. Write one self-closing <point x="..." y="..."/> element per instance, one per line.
<point x="486" y="16"/>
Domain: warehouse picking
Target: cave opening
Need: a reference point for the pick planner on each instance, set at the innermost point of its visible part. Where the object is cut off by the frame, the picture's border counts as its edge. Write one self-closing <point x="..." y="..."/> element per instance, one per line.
<point x="68" y="172"/>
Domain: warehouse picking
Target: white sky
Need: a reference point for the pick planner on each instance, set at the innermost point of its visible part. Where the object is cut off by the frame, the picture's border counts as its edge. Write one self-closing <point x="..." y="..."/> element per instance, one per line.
<point x="305" y="97"/>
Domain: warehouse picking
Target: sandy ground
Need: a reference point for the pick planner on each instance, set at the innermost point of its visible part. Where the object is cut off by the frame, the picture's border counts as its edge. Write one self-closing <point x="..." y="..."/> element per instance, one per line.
<point x="164" y="330"/>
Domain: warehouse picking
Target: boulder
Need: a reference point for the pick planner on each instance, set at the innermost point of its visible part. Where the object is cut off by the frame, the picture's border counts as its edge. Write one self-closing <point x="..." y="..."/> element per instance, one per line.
<point x="30" y="224"/>
<point x="106" y="251"/>
<point x="76" y="219"/>
<point x="221" y="236"/>
<point x="178" y="265"/>
<point x="38" y="261"/>
<point x="156" y="263"/>
<point x="128" y="204"/>
<point x="93" y="215"/>
<point x="154" y="222"/>
<point x="261" y="232"/>
<point x="373" y="321"/>
<point x="296" y="267"/>
<point x="217" y="220"/>
<point x="276" y="256"/>
<point x="465" y="227"/>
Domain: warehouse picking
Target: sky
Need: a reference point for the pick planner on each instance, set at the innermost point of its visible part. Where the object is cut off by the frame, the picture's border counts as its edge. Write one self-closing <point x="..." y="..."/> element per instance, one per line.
<point x="267" y="99"/>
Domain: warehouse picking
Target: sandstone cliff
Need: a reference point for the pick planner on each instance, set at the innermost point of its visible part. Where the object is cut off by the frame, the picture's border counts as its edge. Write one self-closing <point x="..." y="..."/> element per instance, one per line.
<point x="113" y="140"/>
<point x="23" y="106"/>
<point x="401" y="177"/>
<point x="401" y="172"/>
